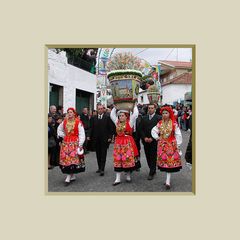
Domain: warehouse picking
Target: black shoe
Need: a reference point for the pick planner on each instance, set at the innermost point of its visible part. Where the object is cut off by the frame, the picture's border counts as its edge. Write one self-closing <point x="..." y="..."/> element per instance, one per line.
<point x="98" y="171"/>
<point x="150" y="177"/>
<point x="116" y="183"/>
<point x="66" y="184"/>
<point x="101" y="173"/>
<point x="167" y="186"/>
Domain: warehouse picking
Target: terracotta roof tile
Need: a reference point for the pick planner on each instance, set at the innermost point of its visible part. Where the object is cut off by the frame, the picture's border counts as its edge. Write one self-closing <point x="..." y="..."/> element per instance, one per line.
<point x="178" y="64"/>
<point x="185" y="78"/>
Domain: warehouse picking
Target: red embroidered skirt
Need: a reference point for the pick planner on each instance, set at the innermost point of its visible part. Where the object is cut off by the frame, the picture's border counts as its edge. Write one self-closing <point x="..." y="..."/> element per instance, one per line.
<point x="70" y="161"/>
<point x="124" y="153"/>
<point x="168" y="158"/>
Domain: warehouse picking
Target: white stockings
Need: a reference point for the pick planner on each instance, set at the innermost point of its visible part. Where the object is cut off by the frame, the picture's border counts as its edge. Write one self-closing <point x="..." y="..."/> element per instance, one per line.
<point x="68" y="178"/>
<point x="168" y="179"/>
<point x="128" y="176"/>
<point x="118" y="177"/>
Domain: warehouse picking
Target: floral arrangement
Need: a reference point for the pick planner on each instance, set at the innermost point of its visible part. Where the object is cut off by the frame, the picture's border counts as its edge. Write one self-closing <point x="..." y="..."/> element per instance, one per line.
<point x="124" y="61"/>
<point x="153" y="94"/>
<point x="122" y="71"/>
<point x="153" y="88"/>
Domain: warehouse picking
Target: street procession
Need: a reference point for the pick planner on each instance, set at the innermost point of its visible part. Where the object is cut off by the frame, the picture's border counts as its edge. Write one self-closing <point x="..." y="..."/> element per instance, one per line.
<point x="120" y="120"/>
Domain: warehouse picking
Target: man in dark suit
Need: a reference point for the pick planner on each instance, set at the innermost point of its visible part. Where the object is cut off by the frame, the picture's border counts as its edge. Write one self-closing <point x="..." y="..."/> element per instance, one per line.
<point x="101" y="135"/>
<point x="86" y="124"/>
<point x="136" y="135"/>
<point x="188" y="154"/>
<point x="150" y="144"/>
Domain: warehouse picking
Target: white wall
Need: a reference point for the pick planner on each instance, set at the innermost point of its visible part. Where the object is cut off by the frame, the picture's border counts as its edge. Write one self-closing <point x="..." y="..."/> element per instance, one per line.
<point x="174" y="92"/>
<point x="70" y="78"/>
<point x="145" y="98"/>
<point x="171" y="93"/>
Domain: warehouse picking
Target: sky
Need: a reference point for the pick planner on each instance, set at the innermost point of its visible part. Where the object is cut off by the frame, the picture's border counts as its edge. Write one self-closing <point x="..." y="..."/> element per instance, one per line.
<point x="153" y="55"/>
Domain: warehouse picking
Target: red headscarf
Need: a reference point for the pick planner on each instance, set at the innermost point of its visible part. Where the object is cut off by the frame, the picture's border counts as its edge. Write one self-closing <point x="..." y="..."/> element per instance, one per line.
<point x="171" y="115"/>
<point x="75" y="116"/>
<point x="73" y="109"/>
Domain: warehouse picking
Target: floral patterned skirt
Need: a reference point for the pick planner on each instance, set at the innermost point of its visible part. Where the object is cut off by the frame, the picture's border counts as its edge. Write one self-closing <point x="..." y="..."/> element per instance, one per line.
<point x="70" y="161"/>
<point x="125" y="154"/>
<point x="168" y="157"/>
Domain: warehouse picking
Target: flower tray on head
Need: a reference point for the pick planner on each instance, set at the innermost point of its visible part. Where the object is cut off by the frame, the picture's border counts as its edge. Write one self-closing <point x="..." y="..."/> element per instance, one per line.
<point x="153" y="94"/>
<point x="153" y="97"/>
<point x="125" y="86"/>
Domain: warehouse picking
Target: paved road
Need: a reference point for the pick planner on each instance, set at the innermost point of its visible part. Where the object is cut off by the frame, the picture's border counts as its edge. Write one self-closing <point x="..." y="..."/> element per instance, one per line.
<point x="90" y="181"/>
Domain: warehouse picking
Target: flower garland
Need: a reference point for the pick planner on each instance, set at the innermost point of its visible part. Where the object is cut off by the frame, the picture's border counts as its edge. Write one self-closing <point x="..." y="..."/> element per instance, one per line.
<point x="126" y="71"/>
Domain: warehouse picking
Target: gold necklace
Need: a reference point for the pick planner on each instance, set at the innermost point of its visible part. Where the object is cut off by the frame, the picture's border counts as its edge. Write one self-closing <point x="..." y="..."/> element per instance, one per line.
<point x="121" y="127"/>
<point x="70" y="125"/>
<point x="165" y="128"/>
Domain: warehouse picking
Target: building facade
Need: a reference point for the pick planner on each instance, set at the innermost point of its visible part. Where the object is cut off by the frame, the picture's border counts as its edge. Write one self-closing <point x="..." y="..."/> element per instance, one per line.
<point x="69" y="86"/>
<point x="176" y="81"/>
<point x="142" y="97"/>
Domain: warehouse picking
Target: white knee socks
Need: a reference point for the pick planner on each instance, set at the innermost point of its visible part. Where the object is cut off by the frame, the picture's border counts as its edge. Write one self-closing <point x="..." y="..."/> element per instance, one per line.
<point x="128" y="177"/>
<point x="118" y="177"/>
<point x="168" y="178"/>
<point x="68" y="178"/>
<point x="73" y="177"/>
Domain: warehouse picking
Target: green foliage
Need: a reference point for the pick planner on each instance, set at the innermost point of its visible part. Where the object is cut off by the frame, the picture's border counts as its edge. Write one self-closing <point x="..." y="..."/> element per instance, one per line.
<point x="81" y="58"/>
<point x="124" y="73"/>
<point x="73" y="54"/>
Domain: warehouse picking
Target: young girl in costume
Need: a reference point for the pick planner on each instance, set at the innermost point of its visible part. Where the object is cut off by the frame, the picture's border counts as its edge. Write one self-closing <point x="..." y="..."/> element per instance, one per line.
<point x="169" y="138"/>
<point x="71" y="153"/>
<point x="125" y="150"/>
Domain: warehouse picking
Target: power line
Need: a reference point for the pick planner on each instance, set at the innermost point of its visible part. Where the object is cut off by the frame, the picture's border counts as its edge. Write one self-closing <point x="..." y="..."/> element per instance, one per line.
<point x="169" y="54"/>
<point x="142" y="51"/>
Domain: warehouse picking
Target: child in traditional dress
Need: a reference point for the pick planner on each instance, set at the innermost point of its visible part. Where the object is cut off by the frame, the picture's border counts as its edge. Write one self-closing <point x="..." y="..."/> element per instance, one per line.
<point x="125" y="151"/>
<point x="71" y="151"/>
<point x="169" y="138"/>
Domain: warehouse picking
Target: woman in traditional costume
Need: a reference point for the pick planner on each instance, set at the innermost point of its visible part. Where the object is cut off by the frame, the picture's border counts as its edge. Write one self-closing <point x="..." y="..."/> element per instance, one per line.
<point x="125" y="151"/>
<point x="71" y="151"/>
<point x="169" y="138"/>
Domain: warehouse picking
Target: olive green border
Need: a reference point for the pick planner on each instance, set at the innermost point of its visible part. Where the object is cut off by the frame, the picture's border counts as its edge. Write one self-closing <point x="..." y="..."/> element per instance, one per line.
<point x="193" y="46"/>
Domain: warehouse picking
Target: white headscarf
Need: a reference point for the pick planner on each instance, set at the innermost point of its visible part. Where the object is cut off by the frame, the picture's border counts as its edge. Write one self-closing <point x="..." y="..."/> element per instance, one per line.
<point x="122" y="111"/>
